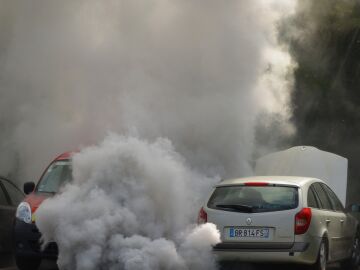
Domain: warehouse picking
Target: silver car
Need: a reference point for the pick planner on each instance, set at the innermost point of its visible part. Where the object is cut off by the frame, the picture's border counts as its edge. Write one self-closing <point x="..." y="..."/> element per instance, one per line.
<point x="282" y="219"/>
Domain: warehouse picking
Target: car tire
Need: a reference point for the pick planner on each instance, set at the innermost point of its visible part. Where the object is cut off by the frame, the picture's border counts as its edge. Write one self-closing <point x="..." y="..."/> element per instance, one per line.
<point x="353" y="262"/>
<point x="321" y="262"/>
<point x="25" y="263"/>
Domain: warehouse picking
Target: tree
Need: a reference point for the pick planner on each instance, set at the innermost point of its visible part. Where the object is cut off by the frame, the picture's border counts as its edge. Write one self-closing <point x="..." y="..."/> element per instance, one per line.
<point x="324" y="39"/>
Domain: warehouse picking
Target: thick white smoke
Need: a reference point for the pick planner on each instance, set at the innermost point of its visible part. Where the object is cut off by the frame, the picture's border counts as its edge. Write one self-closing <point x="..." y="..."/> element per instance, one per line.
<point x="198" y="73"/>
<point x="191" y="71"/>
<point x="130" y="207"/>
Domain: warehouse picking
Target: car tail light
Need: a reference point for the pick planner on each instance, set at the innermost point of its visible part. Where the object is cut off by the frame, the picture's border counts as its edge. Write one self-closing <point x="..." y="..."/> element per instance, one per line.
<point x="202" y="218"/>
<point x="256" y="184"/>
<point x="302" y="221"/>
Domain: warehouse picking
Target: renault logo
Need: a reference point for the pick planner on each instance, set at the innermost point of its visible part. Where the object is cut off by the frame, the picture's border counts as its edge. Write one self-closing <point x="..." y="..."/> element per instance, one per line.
<point x="248" y="221"/>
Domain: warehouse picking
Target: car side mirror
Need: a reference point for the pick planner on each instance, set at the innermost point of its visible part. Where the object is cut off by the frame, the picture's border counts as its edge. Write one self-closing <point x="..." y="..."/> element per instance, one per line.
<point x="29" y="187"/>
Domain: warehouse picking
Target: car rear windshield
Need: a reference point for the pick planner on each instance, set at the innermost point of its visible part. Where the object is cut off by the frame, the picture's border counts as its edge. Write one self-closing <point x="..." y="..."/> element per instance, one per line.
<point x="254" y="199"/>
<point x="57" y="175"/>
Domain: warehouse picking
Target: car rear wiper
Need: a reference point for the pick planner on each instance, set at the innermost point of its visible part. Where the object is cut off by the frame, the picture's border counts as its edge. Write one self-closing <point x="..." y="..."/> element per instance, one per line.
<point x="50" y="192"/>
<point x="238" y="207"/>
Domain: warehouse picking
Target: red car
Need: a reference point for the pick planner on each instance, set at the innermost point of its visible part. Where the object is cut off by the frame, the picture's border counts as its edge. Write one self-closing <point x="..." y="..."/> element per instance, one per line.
<point x="28" y="254"/>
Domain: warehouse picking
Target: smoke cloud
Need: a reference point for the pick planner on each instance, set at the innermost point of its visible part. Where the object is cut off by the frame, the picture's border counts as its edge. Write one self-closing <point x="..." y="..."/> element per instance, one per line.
<point x="197" y="73"/>
<point x="128" y="198"/>
<point x="186" y="81"/>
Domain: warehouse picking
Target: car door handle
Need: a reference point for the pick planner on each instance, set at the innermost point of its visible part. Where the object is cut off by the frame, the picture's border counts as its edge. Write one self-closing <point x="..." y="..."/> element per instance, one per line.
<point x="342" y="221"/>
<point x="327" y="221"/>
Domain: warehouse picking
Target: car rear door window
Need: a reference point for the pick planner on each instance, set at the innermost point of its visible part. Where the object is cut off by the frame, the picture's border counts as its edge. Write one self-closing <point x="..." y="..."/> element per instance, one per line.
<point x="324" y="199"/>
<point x="16" y="196"/>
<point x="337" y="205"/>
<point x="312" y="199"/>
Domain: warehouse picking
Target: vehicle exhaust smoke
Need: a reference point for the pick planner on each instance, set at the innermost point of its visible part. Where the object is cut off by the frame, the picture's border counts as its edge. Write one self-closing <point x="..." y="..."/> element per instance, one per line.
<point x="187" y="82"/>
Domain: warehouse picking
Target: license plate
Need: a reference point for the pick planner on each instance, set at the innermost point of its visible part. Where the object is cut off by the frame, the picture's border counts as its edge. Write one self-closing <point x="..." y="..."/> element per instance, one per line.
<point x="260" y="233"/>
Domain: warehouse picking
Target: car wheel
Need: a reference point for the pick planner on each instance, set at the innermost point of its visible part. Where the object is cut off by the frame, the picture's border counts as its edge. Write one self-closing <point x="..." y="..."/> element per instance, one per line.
<point x="321" y="261"/>
<point x="25" y="263"/>
<point x="354" y="261"/>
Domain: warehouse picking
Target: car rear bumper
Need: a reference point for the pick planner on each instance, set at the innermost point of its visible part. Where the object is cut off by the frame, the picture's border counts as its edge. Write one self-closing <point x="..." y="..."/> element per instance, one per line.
<point x="298" y="252"/>
<point x="27" y="242"/>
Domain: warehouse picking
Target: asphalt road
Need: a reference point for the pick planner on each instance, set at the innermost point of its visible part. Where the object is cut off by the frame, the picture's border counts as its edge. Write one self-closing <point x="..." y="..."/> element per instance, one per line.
<point x="7" y="264"/>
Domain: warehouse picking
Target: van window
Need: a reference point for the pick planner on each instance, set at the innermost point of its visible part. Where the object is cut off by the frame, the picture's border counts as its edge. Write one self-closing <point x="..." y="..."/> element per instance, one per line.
<point x="254" y="199"/>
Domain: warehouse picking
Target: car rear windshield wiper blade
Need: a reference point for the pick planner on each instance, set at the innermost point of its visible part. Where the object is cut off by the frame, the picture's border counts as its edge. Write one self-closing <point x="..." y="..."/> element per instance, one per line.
<point x="50" y="192"/>
<point x="237" y="207"/>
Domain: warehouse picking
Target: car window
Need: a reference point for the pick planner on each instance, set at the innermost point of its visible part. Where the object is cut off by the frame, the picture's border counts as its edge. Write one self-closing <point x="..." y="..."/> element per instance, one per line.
<point x="312" y="200"/>
<point x="336" y="203"/>
<point x="355" y="208"/>
<point x="254" y="199"/>
<point x="3" y="198"/>
<point x="16" y="196"/>
<point x="58" y="174"/>
<point x="324" y="199"/>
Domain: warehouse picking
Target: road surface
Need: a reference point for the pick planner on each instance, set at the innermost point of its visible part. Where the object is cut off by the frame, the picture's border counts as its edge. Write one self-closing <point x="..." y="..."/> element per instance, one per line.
<point x="6" y="264"/>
